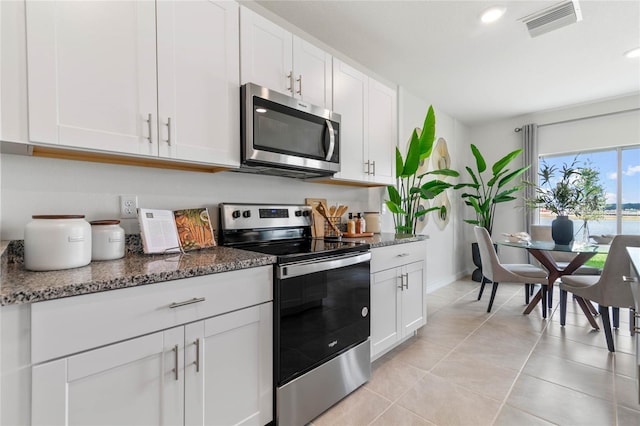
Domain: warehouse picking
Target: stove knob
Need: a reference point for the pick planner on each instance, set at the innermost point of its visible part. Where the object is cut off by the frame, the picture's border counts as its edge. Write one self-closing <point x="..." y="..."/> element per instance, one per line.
<point x="235" y="214"/>
<point x="305" y="213"/>
<point x="246" y="213"/>
<point x="298" y="213"/>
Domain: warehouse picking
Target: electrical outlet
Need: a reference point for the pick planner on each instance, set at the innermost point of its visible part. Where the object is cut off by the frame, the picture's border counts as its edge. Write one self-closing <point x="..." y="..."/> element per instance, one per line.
<point x="128" y="206"/>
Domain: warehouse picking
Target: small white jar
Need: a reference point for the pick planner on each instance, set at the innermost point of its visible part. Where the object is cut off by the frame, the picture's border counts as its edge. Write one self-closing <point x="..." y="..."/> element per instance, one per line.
<point x="107" y="238"/>
<point x="373" y="221"/>
<point x="53" y="242"/>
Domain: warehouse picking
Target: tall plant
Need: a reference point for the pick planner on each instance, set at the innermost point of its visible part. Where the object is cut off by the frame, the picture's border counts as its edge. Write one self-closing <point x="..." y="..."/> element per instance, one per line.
<point x="488" y="190"/>
<point x="404" y="201"/>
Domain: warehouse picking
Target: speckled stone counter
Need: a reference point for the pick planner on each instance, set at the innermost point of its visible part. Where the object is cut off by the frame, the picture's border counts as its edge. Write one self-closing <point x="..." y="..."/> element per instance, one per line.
<point x="388" y="239"/>
<point x="18" y="285"/>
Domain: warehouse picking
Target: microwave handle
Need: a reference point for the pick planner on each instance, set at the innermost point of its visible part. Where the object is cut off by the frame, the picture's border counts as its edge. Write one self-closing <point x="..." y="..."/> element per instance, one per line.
<point x="332" y="141"/>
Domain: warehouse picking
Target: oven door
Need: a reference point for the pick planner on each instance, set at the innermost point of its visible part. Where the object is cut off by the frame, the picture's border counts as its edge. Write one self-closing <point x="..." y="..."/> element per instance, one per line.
<point x="322" y="309"/>
<point x="281" y="131"/>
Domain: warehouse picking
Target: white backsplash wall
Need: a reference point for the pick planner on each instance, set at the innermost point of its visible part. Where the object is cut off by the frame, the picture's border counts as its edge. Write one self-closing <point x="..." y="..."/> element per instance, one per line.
<point x="31" y="185"/>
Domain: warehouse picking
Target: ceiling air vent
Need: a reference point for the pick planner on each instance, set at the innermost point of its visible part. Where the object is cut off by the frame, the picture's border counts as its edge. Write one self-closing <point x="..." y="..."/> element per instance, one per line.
<point x="553" y="17"/>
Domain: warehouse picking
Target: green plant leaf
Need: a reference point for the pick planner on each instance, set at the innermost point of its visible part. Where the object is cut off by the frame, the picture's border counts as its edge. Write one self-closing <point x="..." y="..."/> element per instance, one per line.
<point x="481" y="165"/>
<point x="413" y="156"/>
<point x="399" y="163"/>
<point x="441" y="172"/>
<point x="505" y="193"/>
<point x="473" y="222"/>
<point x="394" y="208"/>
<point x="508" y="178"/>
<point x="394" y="196"/>
<point x="501" y="163"/>
<point x="466" y="185"/>
<point x="495" y="178"/>
<point x="473" y="175"/>
<point x="428" y="134"/>
<point x="504" y="199"/>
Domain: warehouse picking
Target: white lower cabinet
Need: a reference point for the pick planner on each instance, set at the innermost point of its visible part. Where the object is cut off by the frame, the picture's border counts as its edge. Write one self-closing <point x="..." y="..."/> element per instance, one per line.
<point x="398" y="300"/>
<point x="202" y="357"/>
<point x="215" y="371"/>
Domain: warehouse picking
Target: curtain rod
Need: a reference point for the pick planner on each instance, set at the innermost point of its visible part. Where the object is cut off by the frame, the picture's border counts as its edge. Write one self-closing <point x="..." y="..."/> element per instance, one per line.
<point x="518" y="129"/>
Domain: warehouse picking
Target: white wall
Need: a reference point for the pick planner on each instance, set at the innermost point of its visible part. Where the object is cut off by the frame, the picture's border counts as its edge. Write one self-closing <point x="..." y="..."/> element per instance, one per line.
<point x="495" y="139"/>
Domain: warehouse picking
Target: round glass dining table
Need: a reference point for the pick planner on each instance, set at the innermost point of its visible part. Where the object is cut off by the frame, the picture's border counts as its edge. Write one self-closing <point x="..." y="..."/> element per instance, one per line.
<point x="541" y="250"/>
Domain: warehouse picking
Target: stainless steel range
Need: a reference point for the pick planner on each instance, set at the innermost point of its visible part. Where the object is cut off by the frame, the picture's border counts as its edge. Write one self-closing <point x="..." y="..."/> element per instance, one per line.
<point x="321" y="303"/>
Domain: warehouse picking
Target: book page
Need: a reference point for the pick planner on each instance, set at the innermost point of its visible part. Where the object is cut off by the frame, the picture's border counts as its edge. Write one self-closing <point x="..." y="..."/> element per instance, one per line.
<point x="158" y="231"/>
<point x="194" y="228"/>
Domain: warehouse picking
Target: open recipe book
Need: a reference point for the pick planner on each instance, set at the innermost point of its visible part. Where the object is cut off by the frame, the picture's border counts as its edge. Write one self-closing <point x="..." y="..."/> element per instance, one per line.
<point x="166" y="231"/>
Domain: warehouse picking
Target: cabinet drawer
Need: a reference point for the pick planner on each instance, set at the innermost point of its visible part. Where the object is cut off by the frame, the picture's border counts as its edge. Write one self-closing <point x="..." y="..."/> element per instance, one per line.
<point x="65" y="326"/>
<point x="401" y="254"/>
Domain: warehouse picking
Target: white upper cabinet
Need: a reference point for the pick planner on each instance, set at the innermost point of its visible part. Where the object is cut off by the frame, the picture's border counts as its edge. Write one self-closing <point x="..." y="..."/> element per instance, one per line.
<point x="114" y="76"/>
<point x="349" y="100"/>
<point x="368" y="127"/>
<point x="272" y="57"/>
<point x="198" y="88"/>
<point x="92" y="74"/>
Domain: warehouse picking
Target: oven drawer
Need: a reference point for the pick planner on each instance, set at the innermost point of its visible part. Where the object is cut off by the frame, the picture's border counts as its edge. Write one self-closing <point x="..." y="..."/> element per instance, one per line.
<point x="397" y="255"/>
<point x="74" y="324"/>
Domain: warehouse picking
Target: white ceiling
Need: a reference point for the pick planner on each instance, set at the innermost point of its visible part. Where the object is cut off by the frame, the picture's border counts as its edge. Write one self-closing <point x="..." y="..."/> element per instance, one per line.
<point x="441" y="51"/>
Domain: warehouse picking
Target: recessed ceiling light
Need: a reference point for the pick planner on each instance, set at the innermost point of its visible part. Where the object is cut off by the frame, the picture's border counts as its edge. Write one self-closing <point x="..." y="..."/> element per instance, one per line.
<point x="633" y="53"/>
<point x="492" y="14"/>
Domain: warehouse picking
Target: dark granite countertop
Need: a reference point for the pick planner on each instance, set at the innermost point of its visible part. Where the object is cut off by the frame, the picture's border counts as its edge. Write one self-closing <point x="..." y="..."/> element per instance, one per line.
<point x="17" y="285"/>
<point x="388" y="239"/>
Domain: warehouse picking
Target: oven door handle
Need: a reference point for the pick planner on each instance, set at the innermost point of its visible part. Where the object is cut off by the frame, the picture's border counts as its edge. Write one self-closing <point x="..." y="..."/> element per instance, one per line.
<point x="305" y="268"/>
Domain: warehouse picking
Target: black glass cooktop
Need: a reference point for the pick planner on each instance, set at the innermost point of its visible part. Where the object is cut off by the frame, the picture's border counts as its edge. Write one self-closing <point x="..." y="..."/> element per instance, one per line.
<point x="304" y="249"/>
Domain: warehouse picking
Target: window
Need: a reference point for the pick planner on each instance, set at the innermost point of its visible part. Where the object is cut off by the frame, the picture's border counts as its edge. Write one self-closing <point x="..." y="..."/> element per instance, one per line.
<point x="619" y="172"/>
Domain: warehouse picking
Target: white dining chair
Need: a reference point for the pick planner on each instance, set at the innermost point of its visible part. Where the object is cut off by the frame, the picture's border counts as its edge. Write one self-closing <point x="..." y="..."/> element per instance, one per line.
<point x="497" y="272"/>
<point x="608" y="289"/>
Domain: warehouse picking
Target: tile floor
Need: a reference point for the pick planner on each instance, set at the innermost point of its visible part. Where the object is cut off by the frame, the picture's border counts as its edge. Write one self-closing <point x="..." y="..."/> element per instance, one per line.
<point x="470" y="367"/>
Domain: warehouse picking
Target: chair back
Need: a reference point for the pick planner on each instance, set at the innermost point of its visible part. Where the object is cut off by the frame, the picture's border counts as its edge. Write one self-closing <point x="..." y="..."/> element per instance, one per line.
<point x="543" y="233"/>
<point x="488" y="256"/>
<point x="614" y="290"/>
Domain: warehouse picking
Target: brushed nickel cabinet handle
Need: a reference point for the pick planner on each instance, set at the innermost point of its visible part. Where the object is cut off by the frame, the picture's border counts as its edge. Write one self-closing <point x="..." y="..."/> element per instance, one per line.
<point x="168" y="131"/>
<point x="175" y="352"/>
<point x="148" y="120"/>
<point x="401" y="286"/>
<point x="629" y="279"/>
<point x="197" y="361"/>
<point x="290" y="78"/>
<point x="368" y="171"/>
<point x="299" y="80"/>
<point x="406" y="281"/>
<point x="187" y="302"/>
<point x="374" y="167"/>
<point x="403" y="255"/>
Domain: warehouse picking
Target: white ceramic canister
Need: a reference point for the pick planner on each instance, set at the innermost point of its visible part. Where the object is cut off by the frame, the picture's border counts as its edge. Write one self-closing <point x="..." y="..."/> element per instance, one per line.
<point x="373" y="221"/>
<point x="107" y="238"/>
<point x="53" y="242"/>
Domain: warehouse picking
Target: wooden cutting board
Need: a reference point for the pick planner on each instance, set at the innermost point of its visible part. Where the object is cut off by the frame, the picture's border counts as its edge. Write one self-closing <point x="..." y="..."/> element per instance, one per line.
<point x="317" y="228"/>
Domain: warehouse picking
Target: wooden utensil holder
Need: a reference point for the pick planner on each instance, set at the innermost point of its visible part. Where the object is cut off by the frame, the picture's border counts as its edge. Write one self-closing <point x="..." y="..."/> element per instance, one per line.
<point x="329" y="231"/>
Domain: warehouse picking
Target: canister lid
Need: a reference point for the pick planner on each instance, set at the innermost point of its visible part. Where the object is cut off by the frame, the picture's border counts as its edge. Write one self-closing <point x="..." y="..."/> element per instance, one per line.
<point x="57" y="216"/>
<point x="105" y="222"/>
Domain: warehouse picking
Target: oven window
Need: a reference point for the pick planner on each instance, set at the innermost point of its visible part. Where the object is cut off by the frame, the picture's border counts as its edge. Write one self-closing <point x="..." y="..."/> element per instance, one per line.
<point x="319" y="316"/>
<point x="284" y="130"/>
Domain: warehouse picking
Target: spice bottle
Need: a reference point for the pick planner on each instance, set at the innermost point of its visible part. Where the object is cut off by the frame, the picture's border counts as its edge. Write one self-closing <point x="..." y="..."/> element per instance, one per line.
<point x="363" y="223"/>
<point x="351" y="225"/>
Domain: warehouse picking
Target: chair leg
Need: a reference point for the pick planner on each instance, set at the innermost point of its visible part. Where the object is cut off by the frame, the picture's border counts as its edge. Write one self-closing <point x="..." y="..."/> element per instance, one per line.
<point x="606" y="324"/>
<point x="493" y="295"/>
<point x="544" y="300"/>
<point x="527" y="293"/>
<point x="563" y="307"/>
<point x="550" y="296"/>
<point x="484" y="281"/>
<point x="616" y="317"/>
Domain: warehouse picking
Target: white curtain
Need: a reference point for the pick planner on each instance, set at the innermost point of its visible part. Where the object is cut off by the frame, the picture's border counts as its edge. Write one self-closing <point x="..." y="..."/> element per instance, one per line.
<point x="530" y="147"/>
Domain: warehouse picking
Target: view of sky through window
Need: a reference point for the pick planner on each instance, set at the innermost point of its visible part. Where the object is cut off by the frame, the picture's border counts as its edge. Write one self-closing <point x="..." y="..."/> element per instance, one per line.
<point x="606" y="163"/>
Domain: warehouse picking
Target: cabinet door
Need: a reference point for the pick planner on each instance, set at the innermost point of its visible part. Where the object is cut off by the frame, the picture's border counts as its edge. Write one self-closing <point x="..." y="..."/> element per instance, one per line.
<point x="198" y="82"/>
<point x="349" y="100"/>
<point x="133" y="382"/>
<point x="312" y="72"/>
<point x="230" y="381"/>
<point x="383" y="133"/>
<point x="92" y="74"/>
<point x="413" y="298"/>
<point x="385" y="310"/>
<point x="265" y="53"/>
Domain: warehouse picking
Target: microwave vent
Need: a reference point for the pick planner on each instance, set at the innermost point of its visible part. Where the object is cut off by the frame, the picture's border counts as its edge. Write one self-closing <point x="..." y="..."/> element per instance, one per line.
<point x="552" y="18"/>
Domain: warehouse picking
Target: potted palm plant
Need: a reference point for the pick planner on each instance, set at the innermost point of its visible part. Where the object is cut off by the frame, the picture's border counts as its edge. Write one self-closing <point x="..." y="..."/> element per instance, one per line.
<point x="404" y="201"/>
<point x="561" y="195"/>
<point x="486" y="189"/>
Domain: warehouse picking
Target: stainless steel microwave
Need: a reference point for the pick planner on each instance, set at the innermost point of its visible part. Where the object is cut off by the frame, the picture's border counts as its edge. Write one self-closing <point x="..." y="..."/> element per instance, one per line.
<point x="285" y="136"/>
